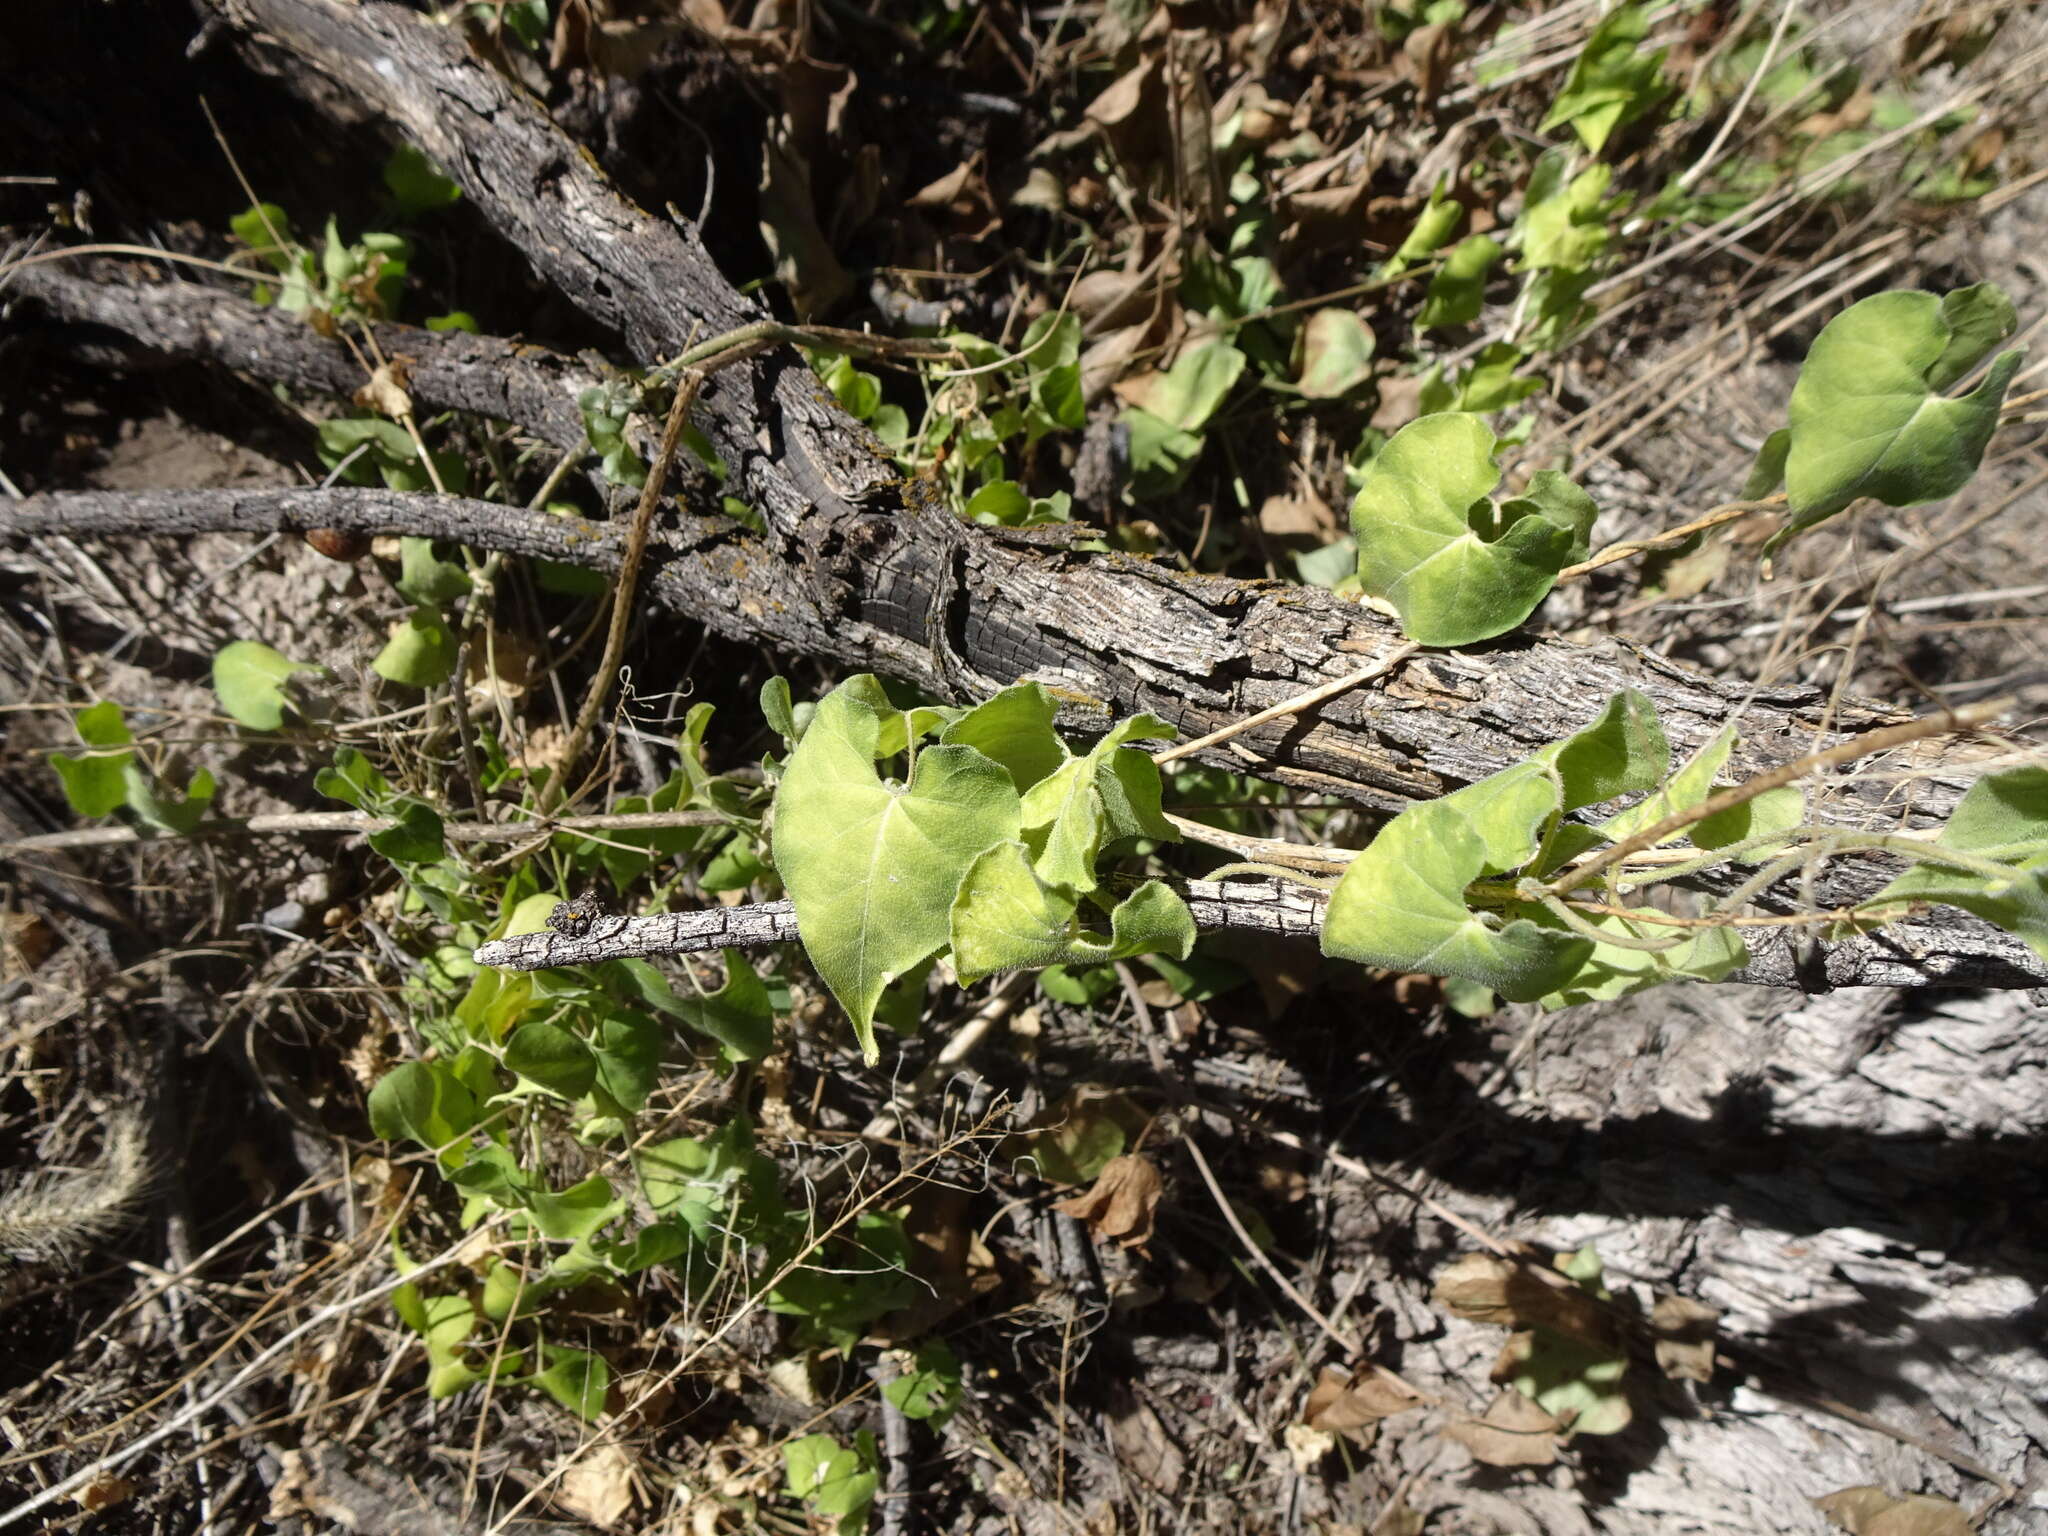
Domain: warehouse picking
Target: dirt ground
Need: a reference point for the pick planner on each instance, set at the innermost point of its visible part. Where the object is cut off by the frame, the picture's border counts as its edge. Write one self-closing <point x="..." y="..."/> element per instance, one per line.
<point x="1850" y="1182"/>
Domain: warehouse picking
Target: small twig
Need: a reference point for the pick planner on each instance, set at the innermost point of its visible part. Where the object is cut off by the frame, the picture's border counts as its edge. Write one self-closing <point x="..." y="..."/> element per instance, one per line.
<point x="1617" y="552"/>
<point x="1351" y="1348"/>
<point x="1293" y="706"/>
<point x="959" y="1045"/>
<point x="895" y="1499"/>
<point x="302" y="822"/>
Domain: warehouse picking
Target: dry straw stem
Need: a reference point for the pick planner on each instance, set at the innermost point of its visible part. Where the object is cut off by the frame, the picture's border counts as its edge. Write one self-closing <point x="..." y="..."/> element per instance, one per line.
<point x="1968" y="717"/>
<point x="194" y="1411"/>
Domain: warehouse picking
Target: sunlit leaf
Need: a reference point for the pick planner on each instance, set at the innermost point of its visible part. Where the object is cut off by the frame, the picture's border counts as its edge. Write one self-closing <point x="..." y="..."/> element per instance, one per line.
<point x="1432" y="542"/>
<point x="872" y="866"/>
<point x="1868" y="416"/>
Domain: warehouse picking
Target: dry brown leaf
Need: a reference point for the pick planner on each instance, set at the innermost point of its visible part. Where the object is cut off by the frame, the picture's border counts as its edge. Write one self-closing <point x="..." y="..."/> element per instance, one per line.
<point x="1342" y="1404"/>
<point x="1198" y="178"/>
<point x="25" y="943"/>
<point x="1298" y="520"/>
<point x="1110" y="298"/>
<point x="805" y="263"/>
<point x="1142" y="1443"/>
<point x="962" y="196"/>
<point x="104" y="1492"/>
<point x="1426" y="59"/>
<point x="1514" y="1433"/>
<point x="1685" y="1332"/>
<point x="505" y="668"/>
<point x="1870" y="1511"/>
<point x="598" y="1485"/>
<point x="1400" y="1519"/>
<point x="1851" y="114"/>
<point x="1121" y="1203"/>
<point x="1487" y="1289"/>
<point x="385" y="393"/>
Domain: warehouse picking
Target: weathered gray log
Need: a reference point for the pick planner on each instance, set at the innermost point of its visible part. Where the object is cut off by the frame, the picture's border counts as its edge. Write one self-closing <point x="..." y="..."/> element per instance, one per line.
<point x="850" y="571"/>
<point x="732" y="580"/>
<point x="894" y="586"/>
<point x="178" y="321"/>
<point x="1777" y="956"/>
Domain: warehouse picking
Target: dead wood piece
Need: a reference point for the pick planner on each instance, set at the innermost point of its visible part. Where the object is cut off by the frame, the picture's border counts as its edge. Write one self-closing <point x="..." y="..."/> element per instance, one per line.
<point x="1128" y="621"/>
<point x="446" y="370"/>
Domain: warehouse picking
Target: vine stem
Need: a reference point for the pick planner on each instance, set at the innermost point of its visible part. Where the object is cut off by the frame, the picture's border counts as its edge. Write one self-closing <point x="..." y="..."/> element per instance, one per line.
<point x="691" y="380"/>
<point x="1726" y="513"/>
<point x="1965" y="718"/>
<point x="1293" y="706"/>
<point x="690" y="370"/>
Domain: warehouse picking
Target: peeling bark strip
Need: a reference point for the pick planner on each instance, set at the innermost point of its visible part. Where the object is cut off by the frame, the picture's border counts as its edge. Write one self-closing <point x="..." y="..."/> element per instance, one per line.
<point x="1282" y="911"/>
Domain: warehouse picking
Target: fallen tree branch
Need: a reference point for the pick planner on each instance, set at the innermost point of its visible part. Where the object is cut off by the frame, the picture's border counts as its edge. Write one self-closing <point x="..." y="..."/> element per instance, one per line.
<point x="357" y="823"/>
<point x="1113" y="636"/>
<point x="1972" y="954"/>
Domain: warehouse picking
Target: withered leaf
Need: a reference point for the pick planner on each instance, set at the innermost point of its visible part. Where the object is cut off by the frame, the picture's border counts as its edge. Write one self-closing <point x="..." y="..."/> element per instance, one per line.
<point x="1685" y="1337"/>
<point x="1343" y="1404"/>
<point x="1870" y="1511"/>
<point x="1488" y="1289"/>
<point x="1514" y="1433"/>
<point x="1119" y="1206"/>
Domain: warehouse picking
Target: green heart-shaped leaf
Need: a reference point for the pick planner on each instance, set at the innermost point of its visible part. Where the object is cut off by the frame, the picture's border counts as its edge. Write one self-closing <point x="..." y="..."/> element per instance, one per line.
<point x="1432" y="542"/>
<point x="1868" y="416"/>
<point x="871" y="866"/>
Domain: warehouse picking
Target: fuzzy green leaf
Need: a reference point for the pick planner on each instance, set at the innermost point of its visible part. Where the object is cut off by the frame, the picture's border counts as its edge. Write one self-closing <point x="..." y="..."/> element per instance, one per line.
<point x="1014" y="728"/>
<point x="1868" y="417"/>
<point x="577" y="1211"/>
<point x="1007" y="918"/>
<point x="871" y="866"/>
<point x="1401" y="904"/>
<point x="1612" y="82"/>
<point x="1458" y="289"/>
<point x="551" y="1057"/>
<point x="2003" y="817"/>
<point x="97" y="784"/>
<point x="575" y="1378"/>
<point x="1431" y="541"/>
<point x="424" y="1102"/>
<point x="420" y="652"/>
<point x="250" y="678"/>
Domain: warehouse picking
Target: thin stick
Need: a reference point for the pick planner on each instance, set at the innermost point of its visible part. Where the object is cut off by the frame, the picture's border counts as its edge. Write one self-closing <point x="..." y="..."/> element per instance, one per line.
<point x="1616" y="552"/>
<point x="1968" y="717"/>
<point x="299" y="822"/>
<point x="623" y="589"/>
<point x="1351" y="1348"/>
<point x="1293" y="706"/>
